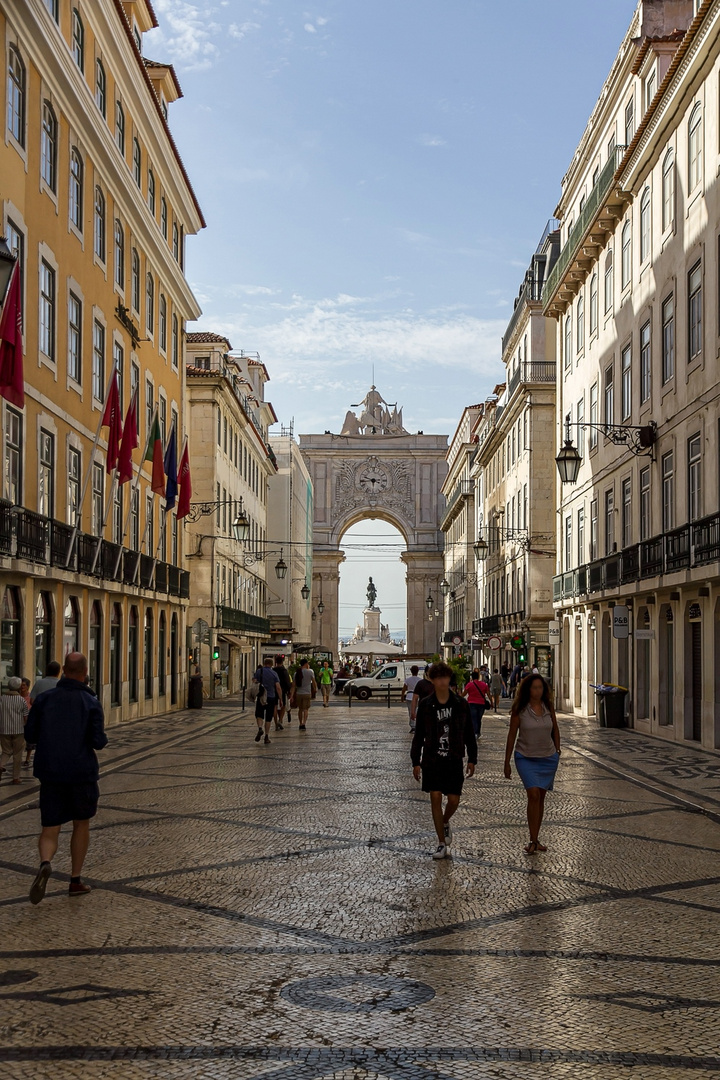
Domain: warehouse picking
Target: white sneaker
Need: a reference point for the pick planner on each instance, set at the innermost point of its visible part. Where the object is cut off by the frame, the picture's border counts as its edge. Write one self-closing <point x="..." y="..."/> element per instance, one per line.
<point x="448" y="834"/>
<point x="441" y="851"/>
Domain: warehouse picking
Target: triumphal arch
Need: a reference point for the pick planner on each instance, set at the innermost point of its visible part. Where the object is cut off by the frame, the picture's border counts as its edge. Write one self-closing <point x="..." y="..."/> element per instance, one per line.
<point x="376" y="469"/>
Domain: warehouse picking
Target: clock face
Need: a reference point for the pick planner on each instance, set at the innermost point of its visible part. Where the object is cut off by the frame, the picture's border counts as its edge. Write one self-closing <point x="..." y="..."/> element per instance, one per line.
<point x="373" y="480"/>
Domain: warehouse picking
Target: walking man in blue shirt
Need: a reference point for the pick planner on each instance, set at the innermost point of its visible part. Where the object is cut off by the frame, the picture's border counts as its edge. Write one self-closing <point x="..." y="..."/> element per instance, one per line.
<point x="67" y="724"/>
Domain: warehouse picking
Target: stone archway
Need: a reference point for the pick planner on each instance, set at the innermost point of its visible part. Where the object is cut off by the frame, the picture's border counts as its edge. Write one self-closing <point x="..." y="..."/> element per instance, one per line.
<point x="377" y="469"/>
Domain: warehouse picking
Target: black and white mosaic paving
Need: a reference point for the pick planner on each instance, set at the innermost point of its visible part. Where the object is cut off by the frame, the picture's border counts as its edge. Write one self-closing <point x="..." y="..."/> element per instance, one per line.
<point x="273" y="912"/>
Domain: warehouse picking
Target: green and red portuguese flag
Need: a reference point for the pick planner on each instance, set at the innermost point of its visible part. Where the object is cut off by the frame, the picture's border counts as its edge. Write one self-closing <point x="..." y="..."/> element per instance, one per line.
<point x="154" y="453"/>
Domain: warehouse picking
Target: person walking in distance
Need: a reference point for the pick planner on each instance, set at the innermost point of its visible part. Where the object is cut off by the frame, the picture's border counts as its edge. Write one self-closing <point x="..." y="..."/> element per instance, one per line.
<point x="409" y="692"/>
<point x="423" y="688"/>
<point x="68" y="726"/>
<point x="48" y="682"/>
<point x="443" y="733"/>
<point x="534" y="725"/>
<point x="13" y="714"/>
<point x="326" y="680"/>
<point x="285" y="686"/>
<point x="476" y="693"/>
<point x="496" y="686"/>
<point x="305" y="688"/>
<point x="267" y="701"/>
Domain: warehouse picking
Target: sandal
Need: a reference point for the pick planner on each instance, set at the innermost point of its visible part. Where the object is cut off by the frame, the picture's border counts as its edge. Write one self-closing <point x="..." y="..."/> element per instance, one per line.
<point x="531" y="848"/>
<point x="539" y="846"/>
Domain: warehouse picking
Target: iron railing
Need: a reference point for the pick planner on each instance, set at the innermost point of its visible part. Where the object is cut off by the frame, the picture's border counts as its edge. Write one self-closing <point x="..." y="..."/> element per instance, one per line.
<point x="242" y="621"/>
<point x="531" y="371"/>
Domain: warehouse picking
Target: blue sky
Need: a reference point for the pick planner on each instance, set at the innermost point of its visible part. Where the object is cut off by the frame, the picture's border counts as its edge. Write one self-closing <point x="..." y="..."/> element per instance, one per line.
<point x="375" y="176"/>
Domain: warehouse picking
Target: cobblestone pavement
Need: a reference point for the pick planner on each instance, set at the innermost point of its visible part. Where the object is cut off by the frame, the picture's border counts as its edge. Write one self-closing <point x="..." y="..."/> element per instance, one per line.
<point x="273" y="912"/>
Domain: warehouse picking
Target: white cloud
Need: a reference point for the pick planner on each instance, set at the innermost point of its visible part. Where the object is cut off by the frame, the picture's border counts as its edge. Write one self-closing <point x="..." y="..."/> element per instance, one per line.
<point x="321" y="20"/>
<point x="310" y="28"/>
<point x="431" y="140"/>
<point x="186" y="34"/>
<point x="241" y="30"/>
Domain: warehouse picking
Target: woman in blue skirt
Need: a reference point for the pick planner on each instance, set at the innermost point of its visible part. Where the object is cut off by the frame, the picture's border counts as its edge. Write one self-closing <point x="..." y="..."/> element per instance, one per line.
<point x="537" y="750"/>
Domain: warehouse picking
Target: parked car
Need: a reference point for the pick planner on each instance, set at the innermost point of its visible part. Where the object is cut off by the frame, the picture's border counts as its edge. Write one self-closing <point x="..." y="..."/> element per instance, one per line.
<point x="391" y="675"/>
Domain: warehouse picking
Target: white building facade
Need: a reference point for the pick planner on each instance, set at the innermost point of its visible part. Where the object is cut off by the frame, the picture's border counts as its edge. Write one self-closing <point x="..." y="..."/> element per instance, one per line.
<point x="290" y="526"/>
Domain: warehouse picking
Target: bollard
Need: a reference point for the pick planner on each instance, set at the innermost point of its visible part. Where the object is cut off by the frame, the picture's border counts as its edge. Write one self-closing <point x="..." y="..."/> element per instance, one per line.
<point x="350" y="698"/>
<point x="243" y="699"/>
<point x="388" y="695"/>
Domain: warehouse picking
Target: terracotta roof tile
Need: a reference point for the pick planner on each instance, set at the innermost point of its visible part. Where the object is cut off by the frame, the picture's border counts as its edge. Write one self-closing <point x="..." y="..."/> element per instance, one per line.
<point x="205" y="337"/>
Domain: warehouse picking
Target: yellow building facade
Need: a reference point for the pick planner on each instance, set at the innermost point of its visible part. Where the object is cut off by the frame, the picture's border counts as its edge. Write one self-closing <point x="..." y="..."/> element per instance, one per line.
<point x="96" y="205"/>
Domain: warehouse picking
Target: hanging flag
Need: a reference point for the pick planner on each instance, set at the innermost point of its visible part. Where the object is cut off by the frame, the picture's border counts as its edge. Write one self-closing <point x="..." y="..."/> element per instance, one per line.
<point x="12" y="385"/>
<point x="113" y="420"/>
<point x="185" y="484"/>
<point x="130" y="441"/>
<point x="170" y="465"/>
<point x="154" y="453"/>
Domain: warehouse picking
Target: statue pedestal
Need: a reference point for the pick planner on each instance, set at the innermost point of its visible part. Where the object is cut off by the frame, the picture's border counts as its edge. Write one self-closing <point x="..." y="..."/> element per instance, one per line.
<point x="371" y="618"/>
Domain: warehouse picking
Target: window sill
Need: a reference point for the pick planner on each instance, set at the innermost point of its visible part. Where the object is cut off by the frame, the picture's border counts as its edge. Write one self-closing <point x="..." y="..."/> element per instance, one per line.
<point x="10" y="140"/>
<point x="71" y="384"/>
<point x="48" y="362"/>
<point x="52" y="195"/>
<point x="694" y="197"/>
<point x="101" y="263"/>
<point x="72" y="228"/>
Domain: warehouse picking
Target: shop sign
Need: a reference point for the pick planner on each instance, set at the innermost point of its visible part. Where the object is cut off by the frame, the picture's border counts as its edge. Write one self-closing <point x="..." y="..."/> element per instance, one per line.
<point x="644" y="635"/>
<point x="554" y="632"/>
<point x="621" y="621"/>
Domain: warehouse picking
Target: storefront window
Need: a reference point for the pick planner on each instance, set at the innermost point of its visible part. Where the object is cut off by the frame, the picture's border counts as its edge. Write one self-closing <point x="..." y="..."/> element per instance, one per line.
<point x="9" y="634"/>
<point x="133" y="654"/>
<point x="162" y="650"/>
<point x="43" y="633"/>
<point x="95" y="647"/>
<point x="116" y="655"/>
<point x="71" y="627"/>
<point x="148" y="651"/>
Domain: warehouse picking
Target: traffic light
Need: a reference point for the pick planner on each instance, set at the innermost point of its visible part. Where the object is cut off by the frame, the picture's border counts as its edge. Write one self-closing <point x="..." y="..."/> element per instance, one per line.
<point x="520" y="645"/>
<point x="216" y="653"/>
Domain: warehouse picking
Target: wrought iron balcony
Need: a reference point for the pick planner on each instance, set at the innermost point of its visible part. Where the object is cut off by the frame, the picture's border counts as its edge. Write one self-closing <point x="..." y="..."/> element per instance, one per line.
<point x="242" y="621"/>
<point x="535" y="371"/>
<point x="463" y="490"/>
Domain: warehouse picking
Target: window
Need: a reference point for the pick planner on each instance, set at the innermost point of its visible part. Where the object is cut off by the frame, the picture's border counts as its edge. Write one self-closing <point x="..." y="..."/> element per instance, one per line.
<point x="119" y="254"/>
<point x="593" y="530"/>
<point x="592" y="433"/>
<point x="148" y="654"/>
<point x="16" y="97"/>
<point x="695" y="311"/>
<point x="16" y="243"/>
<point x="162" y="649"/>
<point x="645" y="226"/>
<point x="135" y="520"/>
<point x="135" y="280"/>
<point x="137" y="162"/>
<point x="95" y="647"/>
<point x="627" y="513"/>
<point x="694" y="478"/>
<point x="645" y="363"/>
<point x="120" y="127"/>
<point x="150" y="304"/>
<point x="581" y="323"/>
<point x="668" y="491"/>
<point x="668" y="191"/>
<point x="74" y="338"/>
<point x="97" y="498"/>
<point x="609" y="521"/>
<point x="695" y="148"/>
<point x="568" y="542"/>
<point x="151" y="191"/>
<point x="98" y="364"/>
<point x="99" y="232"/>
<point x="48" y="148"/>
<point x="645" y="508"/>
<point x="78" y="40"/>
<point x="609" y="396"/>
<point x="626" y="385"/>
<point x="668" y="339"/>
<point x="626" y="261"/>
<point x="593" y="304"/>
<point x="12" y="464"/>
<point x="175" y="341"/>
<point x="629" y="121"/>
<point x="76" y="189"/>
<point x="133" y="654"/>
<point x="163" y="218"/>
<point x="219" y="428"/>
<point x="101" y="88"/>
<point x="73" y="495"/>
<point x="116" y="655"/>
<point x="149" y="405"/>
<point x="581" y="536"/>
<point x="580" y="428"/>
<point x="52" y="6"/>
<point x="162" y="322"/>
<point x="608" y="282"/>
<point x="47" y="310"/>
<point x="119" y="365"/>
<point x="176" y="242"/>
<point x="162" y="410"/>
<point x="650" y="88"/>
<point x="150" y="523"/>
<point x="46" y="474"/>
<point x="568" y="341"/>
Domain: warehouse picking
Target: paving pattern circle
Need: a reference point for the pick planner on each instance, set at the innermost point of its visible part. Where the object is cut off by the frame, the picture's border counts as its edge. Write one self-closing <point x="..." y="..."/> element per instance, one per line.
<point x="358" y="993"/>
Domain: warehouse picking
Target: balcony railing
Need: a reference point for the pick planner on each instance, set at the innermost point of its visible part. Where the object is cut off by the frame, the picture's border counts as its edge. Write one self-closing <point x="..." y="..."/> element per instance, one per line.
<point x="595" y="202"/>
<point x="706" y="540"/>
<point x="462" y="490"/>
<point x="531" y="371"/>
<point x="242" y="621"/>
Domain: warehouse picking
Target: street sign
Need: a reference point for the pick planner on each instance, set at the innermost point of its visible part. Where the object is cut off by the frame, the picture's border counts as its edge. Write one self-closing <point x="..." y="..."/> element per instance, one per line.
<point x="644" y="635"/>
<point x="554" y="632"/>
<point x="621" y="622"/>
<point x="457" y="640"/>
<point x="494" y="643"/>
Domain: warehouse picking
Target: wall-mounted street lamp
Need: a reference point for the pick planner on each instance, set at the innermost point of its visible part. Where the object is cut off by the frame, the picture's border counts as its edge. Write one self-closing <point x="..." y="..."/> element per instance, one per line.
<point x="281" y="568"/>
<point x="305" y="591"/>
<point x="444" y="586"/>
<point x="429" y="602"/>
<point x="321" y="608"/>
<point x="639" y="439"/>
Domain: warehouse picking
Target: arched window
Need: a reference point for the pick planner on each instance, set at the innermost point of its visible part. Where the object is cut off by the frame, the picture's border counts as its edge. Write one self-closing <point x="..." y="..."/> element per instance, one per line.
<point x="133" y="631"/>
<point x="43" y="633"/>
<point x="119" y="254"/>
<point x="608" y="282"/>
<point x="135" y="281"/>
<point x="149" y="303"/>
<point x="10" y="633"/>
<point x="151" y="191"/>
<point x="695" y="148"/>
<point x="71" y="628"/>
<point x="162" y="651"/>
<point x="120" y="127"/>
<point x="78" y="40"/>
<point x="148" y="654"/>
<point x="100" y="88"/>
<point x="175" y="341"/>
<point x="163" y="217"/>
<point x="48" y="147"/>
<point x="626" y="260"/>
<point x="668" y="190"/>
<point x="581" y="323"/>
<point x="76" y="189"/>
<point x="16" y="97"/>
<point x="176" y="242"/>
<point x="162" y="322"/>
<point x="116" y="655"/>
<point x="593" y="303"/>
<point x="95" y="647"/>
<point x="645" y="226"/>
<point x="568" y="340"/>
<point x="137" y="162"/>
<point x="99" y="231"/>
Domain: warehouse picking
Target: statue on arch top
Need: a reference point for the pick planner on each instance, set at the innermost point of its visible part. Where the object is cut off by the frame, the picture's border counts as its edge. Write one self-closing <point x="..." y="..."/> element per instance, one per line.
<point x="371" y="594"/>
<point x="376" y="418"/>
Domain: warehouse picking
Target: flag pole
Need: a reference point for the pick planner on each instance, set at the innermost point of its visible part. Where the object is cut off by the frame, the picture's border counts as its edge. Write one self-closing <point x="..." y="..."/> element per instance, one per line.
<point x="108" y="504"/>
<point x="86" y="481"/>
<point x="135" y="485"/>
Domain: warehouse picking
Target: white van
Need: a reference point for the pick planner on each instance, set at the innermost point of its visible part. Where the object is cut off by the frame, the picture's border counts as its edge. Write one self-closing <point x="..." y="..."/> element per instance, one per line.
<point x="392" y="674"/>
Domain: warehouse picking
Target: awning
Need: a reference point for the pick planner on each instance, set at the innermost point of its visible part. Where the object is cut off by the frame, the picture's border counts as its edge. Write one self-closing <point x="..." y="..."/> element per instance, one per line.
<point x="244" y="646"/>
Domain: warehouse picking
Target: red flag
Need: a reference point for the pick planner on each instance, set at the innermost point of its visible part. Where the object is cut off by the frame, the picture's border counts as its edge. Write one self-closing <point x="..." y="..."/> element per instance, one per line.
<point x="112" y="420"/>
<point x="12" y="385"/>
<point x="154" y="453"/>
<point x="184" y="483"/>
<point x="130" y="442"/>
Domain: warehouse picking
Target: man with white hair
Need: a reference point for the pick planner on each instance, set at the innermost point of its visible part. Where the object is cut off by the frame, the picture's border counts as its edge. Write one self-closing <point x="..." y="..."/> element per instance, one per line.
<point x="13" y="714"/>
